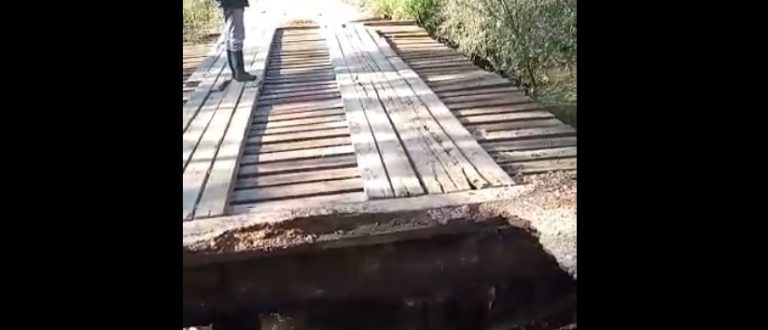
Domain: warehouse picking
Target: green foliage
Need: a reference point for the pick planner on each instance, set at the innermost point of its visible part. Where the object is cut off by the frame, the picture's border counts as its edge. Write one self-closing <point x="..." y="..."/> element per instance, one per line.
<point x="200" y="17"/>
<point x="531" y="41"/>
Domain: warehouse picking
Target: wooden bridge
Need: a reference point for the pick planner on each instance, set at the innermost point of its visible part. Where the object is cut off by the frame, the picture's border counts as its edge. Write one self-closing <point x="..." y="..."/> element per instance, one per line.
<point x="355" y="134"/>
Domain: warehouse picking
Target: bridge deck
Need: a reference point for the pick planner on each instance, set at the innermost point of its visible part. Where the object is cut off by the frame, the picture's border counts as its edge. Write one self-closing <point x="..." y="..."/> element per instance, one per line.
<point x="352" y="116"/>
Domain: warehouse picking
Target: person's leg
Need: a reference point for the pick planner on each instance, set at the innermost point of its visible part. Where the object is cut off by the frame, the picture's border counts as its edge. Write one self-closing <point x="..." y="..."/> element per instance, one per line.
<point x="235" y="30"/>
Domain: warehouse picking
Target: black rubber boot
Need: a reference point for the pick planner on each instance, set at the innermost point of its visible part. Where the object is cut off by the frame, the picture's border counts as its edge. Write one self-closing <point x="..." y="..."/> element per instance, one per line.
<point x="237" y="65"/>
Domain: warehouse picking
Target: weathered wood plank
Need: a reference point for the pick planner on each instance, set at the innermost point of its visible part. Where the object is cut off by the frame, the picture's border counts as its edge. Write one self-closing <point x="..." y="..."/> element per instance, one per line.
<point x="539" y="154"/>
<point x="297" y="166"/>
<point x="469" y="86"/>
<point x="313" y="201"/>
<point x="259" y="118"/>
<point x="493" y="89"/>
<point x="487" y="103"/>
<point x="445" y="161"/>
<point x="306" y="98"/>
<point x="375" y="178"/>
<point x="514" y="125"/>
<point x="458" y="134"/>
<point x="300" y="177"/>
<point x="300" y="106"/>
<point x="191" y="137"/>
<point x="497" y="109"/>
<point x="514" y="97"/>
<point x="297" y="154"/>
<point x="431" y="172"/>
<point x="266" y="111"/>
<point x="525" y="133"/>
<point x="297" y="190"/>
<point x="203" y="91"/>
<point x="275" y="212"/>
<point x="315" y="134"/>
<point x="196" y="172"/>
<point x="298" y="145"/>
<point x="308" y="92"/>
<point x="298" y="122"/>
<point x="563" y="141"/>
<point x="213" y="201"/>
<point x="540" y="166"/>
<point x="321" y="86"/>
<point x="261" y="131"/>
<point x="502" y="117"/>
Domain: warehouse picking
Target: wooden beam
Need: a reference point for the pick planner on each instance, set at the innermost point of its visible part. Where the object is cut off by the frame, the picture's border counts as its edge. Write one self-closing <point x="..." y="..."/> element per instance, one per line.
<point x="273" y="213"/>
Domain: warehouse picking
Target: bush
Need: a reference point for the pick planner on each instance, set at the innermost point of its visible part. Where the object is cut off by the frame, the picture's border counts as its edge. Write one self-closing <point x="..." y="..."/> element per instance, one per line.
<point x="200" y="18"/>
<point x="531" y="41"/>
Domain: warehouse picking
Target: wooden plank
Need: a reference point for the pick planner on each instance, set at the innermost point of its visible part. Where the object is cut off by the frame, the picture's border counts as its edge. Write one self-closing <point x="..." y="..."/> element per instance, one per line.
<point x="449" y="58"/>
<point x="205" y="67"/>
<point x="297" y="69"/>
<point x="502" y="117"/>
<point x="297" y="99"/>
<point x="443" y="65"/>
<point x="267" y="213"/>
<point x="266" y="111"/>
<point x="305" y="75"/>
<point x="298" y="122"/>
<point x="497" y="109"/>
<point x="529" y="155"/>
<point x="514" y="125"/>
<point x="480" y="91"/>
<point x="297" y="154"/>
<point x="525" y="133"/>
<point x="453" y="78"/>
<point x="315" y="134"/>
<point x="454" y="69"/>
<point x="214" y="199"/>
<point x="203" y="91"/>
<point x="261" y="131"/>
<point x="196" y="172"/>
<point x="509" y="97"/>
<point x="317" y="201"/>
<point x="422" y="151"/>
<point x="554" y="142"/>
<point x="541" y="166"/>
<point x="297" y="190"/>
<point x="279" y="91"/>
<point x="283" y="79"/>
<point x="300" y="177"/>
<point x="469" y="86"/>
<point x="193" y="134"/>
<point x="302" y="106"/>
<point x="298" y="115"/>
<point x="396" y="161"/>
<point x="487" y="103"/>
<point x="376" y="178"/>
<point x="302" y="166"/>
<point x="458" y="134"/>
<point x="312" y="92"/>
<point x="459" y="169"/>
<point x="297" y="145"/>
<point x="298" y="84"/>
